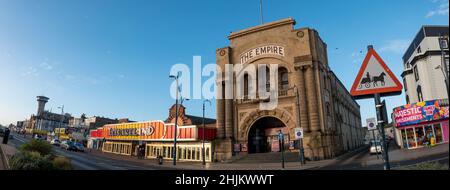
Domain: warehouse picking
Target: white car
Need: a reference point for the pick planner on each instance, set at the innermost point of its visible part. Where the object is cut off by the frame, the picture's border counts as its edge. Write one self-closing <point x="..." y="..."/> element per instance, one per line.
<point x="375" y="147"/>
<point x="55" y="142"/>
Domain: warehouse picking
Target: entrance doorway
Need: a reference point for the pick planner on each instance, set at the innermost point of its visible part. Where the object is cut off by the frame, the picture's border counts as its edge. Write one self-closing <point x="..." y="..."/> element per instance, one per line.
<point x="263" y="135"/>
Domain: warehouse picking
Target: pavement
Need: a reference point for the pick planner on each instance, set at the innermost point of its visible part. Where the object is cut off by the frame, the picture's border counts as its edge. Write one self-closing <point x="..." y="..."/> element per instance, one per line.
<point x="6" y="152"/>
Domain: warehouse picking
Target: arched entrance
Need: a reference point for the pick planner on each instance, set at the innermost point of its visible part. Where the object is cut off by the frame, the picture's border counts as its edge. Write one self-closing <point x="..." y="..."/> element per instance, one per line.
<point x="263" y="135"/>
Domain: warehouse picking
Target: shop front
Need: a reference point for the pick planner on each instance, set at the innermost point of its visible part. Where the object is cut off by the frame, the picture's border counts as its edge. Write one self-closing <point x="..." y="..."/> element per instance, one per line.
<point x="423" y="124"/>
<point x="156" y="138"/>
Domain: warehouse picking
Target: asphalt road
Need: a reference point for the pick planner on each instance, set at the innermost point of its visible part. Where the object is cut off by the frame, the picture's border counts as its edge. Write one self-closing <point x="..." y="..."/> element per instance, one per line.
<point x="86" y="161"/>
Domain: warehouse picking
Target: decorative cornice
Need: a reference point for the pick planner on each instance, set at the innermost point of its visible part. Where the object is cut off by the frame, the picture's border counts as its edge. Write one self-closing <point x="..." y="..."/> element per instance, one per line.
<point x="262" y="27"/>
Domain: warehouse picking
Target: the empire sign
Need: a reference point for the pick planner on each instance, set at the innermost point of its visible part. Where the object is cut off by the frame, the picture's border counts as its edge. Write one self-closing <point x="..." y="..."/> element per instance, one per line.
<point x="261" y="51"/>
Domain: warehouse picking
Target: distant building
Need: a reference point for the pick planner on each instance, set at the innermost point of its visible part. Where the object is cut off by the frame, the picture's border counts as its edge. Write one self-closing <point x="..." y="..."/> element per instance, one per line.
<point x="96" y="122"/>
<point x="422" y="79"/>
<point x="45" y="120"/>
<point x="423" y="121"/>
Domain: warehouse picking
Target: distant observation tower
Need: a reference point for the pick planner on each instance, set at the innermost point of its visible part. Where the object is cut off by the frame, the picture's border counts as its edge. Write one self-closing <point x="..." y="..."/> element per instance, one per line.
<point x="42" y="100"/>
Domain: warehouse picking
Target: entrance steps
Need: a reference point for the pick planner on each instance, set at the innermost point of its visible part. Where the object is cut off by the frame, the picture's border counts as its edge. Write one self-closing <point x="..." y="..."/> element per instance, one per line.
<point x="271" y="157"/>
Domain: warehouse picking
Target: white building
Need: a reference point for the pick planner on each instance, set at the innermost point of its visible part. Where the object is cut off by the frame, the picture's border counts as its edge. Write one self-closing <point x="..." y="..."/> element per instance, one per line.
<point x="422" y="77"/>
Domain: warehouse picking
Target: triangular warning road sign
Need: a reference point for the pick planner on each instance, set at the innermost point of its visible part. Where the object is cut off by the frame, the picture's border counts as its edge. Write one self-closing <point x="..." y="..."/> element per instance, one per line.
<point x="375" y="77"/>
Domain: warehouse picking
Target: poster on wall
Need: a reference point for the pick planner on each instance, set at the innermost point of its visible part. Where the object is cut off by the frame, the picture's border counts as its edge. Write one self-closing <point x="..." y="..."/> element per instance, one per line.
<point x="237" y="147"/>
<point x="244" y="147"/>
<point x="419" y="112"/>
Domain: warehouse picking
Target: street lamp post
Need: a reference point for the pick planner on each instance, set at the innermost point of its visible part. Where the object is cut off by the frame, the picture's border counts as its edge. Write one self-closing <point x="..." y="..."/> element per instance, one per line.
<point x="62" y="120"/>
<point x="174" y="154"/>
<point x="281" y="140"/>
<point x="203" y="133"/>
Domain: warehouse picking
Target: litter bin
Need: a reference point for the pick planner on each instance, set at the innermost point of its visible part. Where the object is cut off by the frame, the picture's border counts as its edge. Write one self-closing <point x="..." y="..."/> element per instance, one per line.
<point x="6" y="136"/>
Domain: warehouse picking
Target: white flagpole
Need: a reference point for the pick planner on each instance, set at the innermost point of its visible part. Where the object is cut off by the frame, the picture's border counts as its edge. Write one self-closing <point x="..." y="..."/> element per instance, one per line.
<point x="261" y="11"/>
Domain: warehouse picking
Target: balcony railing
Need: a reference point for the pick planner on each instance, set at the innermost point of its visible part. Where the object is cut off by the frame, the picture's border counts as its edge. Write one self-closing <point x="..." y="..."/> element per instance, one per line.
<point x="281" y="94"/>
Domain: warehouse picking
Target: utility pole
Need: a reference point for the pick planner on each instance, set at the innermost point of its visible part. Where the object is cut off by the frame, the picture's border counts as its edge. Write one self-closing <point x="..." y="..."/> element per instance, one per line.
<point x="380" y="126"/>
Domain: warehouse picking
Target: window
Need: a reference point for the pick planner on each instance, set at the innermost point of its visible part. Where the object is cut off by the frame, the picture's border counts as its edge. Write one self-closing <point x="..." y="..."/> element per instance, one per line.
<point x="245" y="86"/>
<point x="447" y="64"/>
<point x="416" y="73"/>
<point x="443" y="43"/>
<point x="407" y="99"/>
<point x="267" y="79"/>
<point x="283" y="81"/>
<point x="438" y="133"/>
<point x="411" y="138"/>
<point x="419" y="93"/>
<point x="419" y="50"/>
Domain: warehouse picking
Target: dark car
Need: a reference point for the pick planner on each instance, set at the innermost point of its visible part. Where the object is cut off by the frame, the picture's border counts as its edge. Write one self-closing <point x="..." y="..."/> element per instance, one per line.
<point x="79" y="147"/>
<point x="68" y="145"/>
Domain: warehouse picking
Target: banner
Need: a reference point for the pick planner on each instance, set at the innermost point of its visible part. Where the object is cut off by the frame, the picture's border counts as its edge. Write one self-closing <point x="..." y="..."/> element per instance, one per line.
<point x="420" y="112"/>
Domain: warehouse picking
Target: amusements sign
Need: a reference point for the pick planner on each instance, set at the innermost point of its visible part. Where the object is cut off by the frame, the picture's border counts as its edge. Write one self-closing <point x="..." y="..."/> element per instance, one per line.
<point x="411" y="114"/>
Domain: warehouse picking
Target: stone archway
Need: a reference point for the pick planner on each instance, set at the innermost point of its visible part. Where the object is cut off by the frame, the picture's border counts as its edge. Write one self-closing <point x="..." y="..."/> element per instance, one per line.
<point x="282" y="116"/>
<point x="263" y="135"/>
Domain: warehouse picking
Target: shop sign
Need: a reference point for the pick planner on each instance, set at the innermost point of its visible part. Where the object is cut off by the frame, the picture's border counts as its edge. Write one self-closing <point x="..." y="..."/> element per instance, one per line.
<point x="144" y="131"/>
<point x="261" y="51"/>
<point x="410" y="114"/>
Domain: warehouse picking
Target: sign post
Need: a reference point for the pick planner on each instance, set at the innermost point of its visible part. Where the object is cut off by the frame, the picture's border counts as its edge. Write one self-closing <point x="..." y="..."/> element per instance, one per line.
<point x="374" y="80"/>
<point x="281" y="140"/>
<point x="372" y="126"/>
<point x="299" y="137"/>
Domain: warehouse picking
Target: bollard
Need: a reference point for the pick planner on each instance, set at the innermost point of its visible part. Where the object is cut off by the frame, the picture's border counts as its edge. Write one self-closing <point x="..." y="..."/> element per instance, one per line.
<point x="6" y="136"/>
<point x="160" y="160"/>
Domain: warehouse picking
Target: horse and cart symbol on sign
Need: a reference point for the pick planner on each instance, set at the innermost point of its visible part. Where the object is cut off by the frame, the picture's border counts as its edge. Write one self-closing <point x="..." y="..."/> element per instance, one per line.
<point x="368" y="81"/>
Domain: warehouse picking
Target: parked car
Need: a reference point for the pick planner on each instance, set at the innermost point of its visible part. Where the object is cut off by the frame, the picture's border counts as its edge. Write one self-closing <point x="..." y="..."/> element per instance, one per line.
<point x="55" y="142"/>
<point x="79" y="147"/>
<point x="375" y="147"/>
<point x="68" y="145"/>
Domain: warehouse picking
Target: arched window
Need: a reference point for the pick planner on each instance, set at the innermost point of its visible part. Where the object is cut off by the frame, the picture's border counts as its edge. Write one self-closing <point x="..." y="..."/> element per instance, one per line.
<point x="407" y="99"/>
<point x="245" y="86"/>
<point x="283" y="79"/>
<point x="267" y="79"/>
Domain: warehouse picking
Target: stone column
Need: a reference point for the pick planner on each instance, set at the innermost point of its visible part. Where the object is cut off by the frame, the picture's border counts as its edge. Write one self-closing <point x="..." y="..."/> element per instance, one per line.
<point x="229" y="118"/>
<point x="302" y="98"/>
<point x="220" y="107"/>
<point x="313" y="113"/>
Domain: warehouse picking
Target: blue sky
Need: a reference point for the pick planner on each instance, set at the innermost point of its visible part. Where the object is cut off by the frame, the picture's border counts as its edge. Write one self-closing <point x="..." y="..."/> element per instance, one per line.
<point x="112" y="58"/>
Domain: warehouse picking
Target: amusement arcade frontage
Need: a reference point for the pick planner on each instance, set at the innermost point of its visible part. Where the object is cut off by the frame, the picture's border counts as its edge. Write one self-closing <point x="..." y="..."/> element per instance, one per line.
<point x="157" y="137"/>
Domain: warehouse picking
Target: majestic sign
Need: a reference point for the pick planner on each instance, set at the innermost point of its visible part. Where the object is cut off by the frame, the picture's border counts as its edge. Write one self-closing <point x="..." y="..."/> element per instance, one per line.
<point x="371" y="124"/>
<point x="411" y="114"/>
<point x="142" y="131"/>
<point x="261" y="51"/>
<point x="375" y="77"/>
